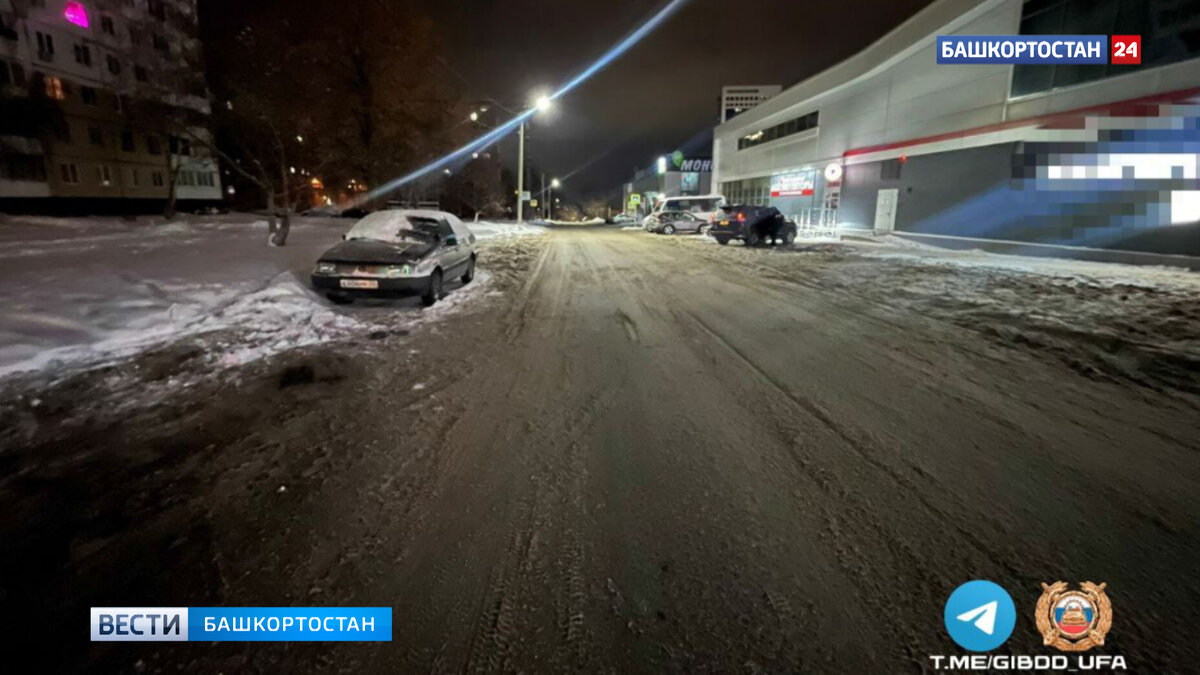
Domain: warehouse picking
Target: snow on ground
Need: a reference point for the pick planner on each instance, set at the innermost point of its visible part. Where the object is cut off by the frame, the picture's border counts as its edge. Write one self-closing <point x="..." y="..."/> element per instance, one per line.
<point x="86" y="292"/>
<point x="485" y="230"/>
<point x="1128" y="323"/>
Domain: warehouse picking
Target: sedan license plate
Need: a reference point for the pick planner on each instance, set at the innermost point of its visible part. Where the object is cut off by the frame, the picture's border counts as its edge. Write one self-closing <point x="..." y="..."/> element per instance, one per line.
<point x="360" y="283"/>
<point x="724" y="222"/>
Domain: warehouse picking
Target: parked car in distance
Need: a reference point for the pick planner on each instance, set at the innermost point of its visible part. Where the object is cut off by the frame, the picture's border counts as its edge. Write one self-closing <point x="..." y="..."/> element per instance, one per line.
<point x="702" y="206"/>
<point x="397" y="253"/>
<point x="670" y="222"/>
<point x="754" y="225"/>
<point x="621" y="219"/>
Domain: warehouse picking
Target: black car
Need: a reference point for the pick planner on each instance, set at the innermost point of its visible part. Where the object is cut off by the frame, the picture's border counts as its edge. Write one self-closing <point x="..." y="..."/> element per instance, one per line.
<point x="398" y="253"/>
<point x="754" y="225"/>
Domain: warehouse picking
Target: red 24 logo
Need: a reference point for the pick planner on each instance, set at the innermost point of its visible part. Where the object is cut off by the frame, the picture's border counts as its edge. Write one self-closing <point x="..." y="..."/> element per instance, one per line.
<point x="1126" y="50"/>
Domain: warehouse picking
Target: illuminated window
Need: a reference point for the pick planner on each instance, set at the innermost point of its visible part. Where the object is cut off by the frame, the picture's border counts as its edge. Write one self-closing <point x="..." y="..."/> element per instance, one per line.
<point x="54" y="88"/>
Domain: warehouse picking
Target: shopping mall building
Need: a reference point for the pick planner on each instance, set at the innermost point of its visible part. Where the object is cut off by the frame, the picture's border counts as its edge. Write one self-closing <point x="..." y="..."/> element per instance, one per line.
<point x="1033" y="159"/>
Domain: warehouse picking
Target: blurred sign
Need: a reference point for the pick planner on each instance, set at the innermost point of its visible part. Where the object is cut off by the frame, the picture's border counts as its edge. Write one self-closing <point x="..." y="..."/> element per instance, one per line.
<point x="635" y="199"/>
<point x="533" y="202"/>
<point x="525" y="196"/>
<point x="798" y="184"/>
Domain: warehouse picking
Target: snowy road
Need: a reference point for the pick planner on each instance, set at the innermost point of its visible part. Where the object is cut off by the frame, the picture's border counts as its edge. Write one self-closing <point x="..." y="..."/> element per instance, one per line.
<point x="647" y="454"/>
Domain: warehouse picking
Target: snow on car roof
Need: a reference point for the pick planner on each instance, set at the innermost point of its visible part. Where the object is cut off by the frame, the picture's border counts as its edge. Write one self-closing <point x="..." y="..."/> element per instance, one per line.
<point x="386" y="225"/>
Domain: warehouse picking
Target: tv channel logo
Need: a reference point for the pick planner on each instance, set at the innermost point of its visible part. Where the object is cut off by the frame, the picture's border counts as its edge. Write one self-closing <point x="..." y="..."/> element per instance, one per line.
<point x="980" y="616"/>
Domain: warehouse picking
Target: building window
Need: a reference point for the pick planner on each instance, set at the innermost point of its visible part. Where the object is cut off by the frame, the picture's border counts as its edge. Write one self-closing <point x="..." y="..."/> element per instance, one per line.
<point x="83" y="55"/>
<point x="87" y="95"/>
<point x="161" y="44"/>
<point x="103" y="175"/>
<point x="6" y="27"/>
<point x="139" y="73"/>
<point x="157" y="9"/>
<point x="1170" y="33"/>
<point x="135" y="38"/>
<point x="153" y="146"/>
<point x="689" y="183"/>
<point x="23" y="167"/>
<point x="127" y="140"/>
<point x="114" y="65"/>
<point x="55" y="88"/>
<point x="96" y="136"/>
<point x="70" y="173"/>
<point x="781" y="130"/>
<point x="118" y="103"/>
<point x="135" y="178"/>
<point x="156" y="179"/>
<point x="11" y="73"/>
<point x="45" y="45"/>
<point x="180" y="146"/>
<point x="106" y="25"/>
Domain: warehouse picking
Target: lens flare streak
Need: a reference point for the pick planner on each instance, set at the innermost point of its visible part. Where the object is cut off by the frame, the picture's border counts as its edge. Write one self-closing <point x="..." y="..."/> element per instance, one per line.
<point x="508" y="127"/>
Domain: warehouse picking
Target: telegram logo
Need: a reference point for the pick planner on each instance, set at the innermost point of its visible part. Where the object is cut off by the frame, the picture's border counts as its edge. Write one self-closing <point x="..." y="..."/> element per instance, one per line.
<point x="980" y="616"/>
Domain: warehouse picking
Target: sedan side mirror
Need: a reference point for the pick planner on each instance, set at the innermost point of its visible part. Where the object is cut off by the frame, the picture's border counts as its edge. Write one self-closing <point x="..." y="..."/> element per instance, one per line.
<point x="451" y="240"/>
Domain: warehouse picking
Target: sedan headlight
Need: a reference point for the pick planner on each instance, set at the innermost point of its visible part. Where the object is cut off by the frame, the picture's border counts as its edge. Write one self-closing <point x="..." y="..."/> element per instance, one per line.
<point x="394" y="271"/>
<point x="326" y="268"/>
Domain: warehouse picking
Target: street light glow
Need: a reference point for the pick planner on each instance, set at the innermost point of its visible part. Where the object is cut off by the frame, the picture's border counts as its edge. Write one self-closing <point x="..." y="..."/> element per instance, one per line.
<point x="300" y="138"/>
<point x="474" y="117"/>
<point x="543" y="103"/>
<point x="554" y="183"/>
<point x="513" y="124"/>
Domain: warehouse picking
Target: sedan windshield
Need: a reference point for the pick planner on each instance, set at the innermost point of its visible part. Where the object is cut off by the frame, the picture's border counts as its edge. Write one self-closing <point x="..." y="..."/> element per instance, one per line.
<point x="394" y="226"/>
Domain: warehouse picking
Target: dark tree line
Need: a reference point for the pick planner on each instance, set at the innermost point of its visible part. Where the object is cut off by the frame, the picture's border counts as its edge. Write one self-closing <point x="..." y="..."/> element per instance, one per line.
<point x="351" y="92"/>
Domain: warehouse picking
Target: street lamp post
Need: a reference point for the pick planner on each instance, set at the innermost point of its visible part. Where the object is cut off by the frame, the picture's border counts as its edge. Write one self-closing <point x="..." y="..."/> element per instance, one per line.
<point x="521" y="175"/>
<point x="542" y="105"/>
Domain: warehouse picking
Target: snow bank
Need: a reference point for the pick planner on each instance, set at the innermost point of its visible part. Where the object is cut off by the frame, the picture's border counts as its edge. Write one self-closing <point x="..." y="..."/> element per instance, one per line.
<point x="87" y="292"/>
<point x="485" y="230"/>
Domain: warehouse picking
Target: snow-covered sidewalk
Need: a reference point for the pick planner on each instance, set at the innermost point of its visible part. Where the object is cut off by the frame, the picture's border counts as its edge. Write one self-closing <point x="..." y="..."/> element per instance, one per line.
<point x="85" y="292"/>
<point x="1127" y="323"/>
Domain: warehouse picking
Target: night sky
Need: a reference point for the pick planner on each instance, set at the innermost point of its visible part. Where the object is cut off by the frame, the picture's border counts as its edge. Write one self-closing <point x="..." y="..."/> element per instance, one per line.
<point x="661" y="94"/>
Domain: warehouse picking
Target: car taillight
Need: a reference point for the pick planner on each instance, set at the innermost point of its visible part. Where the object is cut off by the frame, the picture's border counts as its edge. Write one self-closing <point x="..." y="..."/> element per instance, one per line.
<point x="712" y="217"/>
<point x="741" y="217"/>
